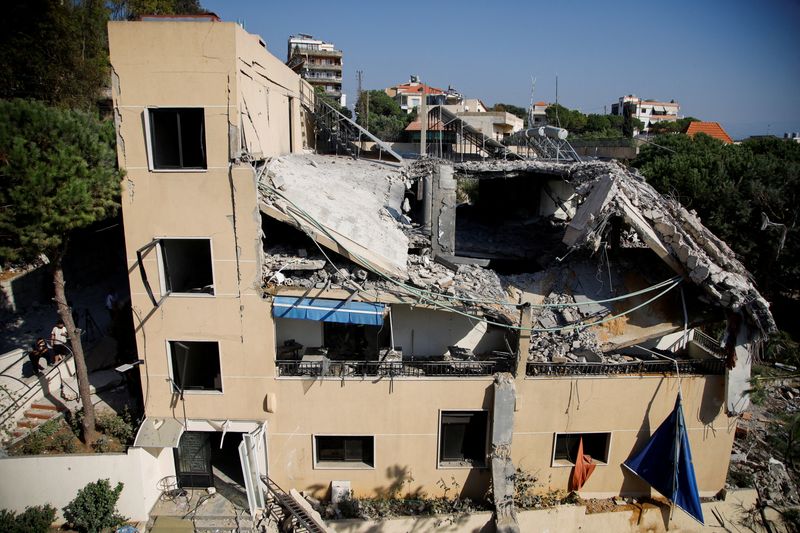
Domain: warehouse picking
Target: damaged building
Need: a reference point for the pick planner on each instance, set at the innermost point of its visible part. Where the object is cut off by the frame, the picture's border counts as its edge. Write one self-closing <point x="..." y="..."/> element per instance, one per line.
<point x="322" y="318"/>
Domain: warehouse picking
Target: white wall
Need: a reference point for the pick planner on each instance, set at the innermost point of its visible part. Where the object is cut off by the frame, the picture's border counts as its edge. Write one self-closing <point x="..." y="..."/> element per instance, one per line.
<point x="56" y="479"/>
<point x="306" y="332"/>
<point x="433" y="331"/>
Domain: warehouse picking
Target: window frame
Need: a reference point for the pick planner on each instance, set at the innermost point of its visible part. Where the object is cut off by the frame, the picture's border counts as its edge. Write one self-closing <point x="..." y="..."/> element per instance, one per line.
<point x="162" y="271"/>
<point x="561" y="463"/>
<point x="148" y="135"/>
<point x="454" y="465"/>
<point x="341" y="465"/>
<point x="173" y="382"/>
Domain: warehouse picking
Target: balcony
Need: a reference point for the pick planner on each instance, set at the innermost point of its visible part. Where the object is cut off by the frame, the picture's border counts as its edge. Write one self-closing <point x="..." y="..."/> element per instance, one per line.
<point x="405" y="368"/>
<point x="709" y="366"/>
<point x="318" y="66"/>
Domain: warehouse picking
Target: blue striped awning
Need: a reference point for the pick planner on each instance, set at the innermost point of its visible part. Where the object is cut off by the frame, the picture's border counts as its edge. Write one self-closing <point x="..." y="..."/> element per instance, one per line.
<point x="322" y="310"/>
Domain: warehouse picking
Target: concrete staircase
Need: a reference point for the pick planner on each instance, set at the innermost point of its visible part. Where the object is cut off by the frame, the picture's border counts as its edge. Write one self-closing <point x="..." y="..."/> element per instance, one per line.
<point x="37" y="414"/>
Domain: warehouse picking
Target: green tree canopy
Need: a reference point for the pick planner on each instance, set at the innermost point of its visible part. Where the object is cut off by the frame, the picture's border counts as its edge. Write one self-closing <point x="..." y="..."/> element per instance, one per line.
<point x="515" y="110"/>
<point x="133" y="9"/>
<point x="56" y="52"/>
<point x="677" y="126"/>
<point x="57" y="174"/>
<point x="730" y="186"/>
<point x="386" y="120"/>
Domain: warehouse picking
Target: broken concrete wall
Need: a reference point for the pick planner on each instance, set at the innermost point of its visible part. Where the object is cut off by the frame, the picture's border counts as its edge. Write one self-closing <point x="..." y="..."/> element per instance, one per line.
<point x="503" y="469"/>
<point x="443" y="211"/>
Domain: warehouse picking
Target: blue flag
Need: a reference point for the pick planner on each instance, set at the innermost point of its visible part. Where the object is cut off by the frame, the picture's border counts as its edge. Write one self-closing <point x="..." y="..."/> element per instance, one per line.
<point x="665" y="463"/>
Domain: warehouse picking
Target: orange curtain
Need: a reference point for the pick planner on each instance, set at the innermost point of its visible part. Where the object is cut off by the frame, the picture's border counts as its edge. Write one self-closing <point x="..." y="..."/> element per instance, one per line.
<point x="584" y="466"/>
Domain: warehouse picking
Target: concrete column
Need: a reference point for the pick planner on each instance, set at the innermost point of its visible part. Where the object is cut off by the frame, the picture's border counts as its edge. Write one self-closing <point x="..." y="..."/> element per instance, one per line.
<point x="423" y="132"/>
<point x="427" y="202"/>
<point x="524" y="344"/>
<point x="443" y="211"/>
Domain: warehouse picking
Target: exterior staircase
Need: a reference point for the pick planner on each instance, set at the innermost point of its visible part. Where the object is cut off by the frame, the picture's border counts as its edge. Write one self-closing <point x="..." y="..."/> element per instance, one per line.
<point x="37" y="414"/>
<point x="288" y="511"/>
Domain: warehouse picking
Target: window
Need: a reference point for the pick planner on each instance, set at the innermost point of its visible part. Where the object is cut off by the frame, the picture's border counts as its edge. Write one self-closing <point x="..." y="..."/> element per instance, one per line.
<point x="195" y="366"/>
<point x="463" y="438"/>
<point x="186" y="266"/>
<point x="344" y="452"/>
<point x="177" y="138"/>
<point x="595" y="445"/>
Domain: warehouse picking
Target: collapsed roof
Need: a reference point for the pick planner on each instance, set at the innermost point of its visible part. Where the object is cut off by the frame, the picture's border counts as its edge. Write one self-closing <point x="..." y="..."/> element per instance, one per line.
<point x="359" y="209"/>
<point x="675" y="234"/>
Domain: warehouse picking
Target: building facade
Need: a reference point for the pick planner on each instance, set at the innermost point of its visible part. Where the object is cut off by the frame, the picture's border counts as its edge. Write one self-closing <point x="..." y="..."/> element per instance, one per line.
<point x="318" y="62"/>
<point x="326" y="379"/>
<point x="648" y="111"/>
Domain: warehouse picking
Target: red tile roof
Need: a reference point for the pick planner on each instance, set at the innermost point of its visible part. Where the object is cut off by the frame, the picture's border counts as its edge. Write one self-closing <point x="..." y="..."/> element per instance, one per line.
<point x="417" y="126"/>
<point x="541" y="104"/>
<point x="407" y="88"/>
<point x="712" y="129"/>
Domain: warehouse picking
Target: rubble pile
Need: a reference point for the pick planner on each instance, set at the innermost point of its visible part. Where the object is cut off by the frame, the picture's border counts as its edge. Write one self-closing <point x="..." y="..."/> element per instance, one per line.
<point x="759" y="456"/>
<point x="608" y="189"/>
<point x="706" y="259"/>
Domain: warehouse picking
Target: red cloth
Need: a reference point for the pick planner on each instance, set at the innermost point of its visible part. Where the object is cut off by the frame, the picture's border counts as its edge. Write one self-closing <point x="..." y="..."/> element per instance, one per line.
<point x="584" y="466"/>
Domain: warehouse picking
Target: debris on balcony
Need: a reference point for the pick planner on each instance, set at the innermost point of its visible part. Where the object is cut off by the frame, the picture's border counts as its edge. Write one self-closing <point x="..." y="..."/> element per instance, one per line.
<point x="581" y="229"/>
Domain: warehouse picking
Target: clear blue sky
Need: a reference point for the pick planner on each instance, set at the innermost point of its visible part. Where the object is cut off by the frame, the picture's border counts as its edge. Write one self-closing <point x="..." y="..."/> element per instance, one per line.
<point x="736" y="62"/>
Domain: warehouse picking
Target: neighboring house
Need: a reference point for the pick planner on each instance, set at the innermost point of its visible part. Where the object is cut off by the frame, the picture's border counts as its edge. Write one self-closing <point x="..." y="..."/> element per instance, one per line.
<point x="712" y="129"/>
<point x="794" y="136"/>
<point x="318" y="62"/>
<point x="648" y="111"/>
<point x="538" y="114"/>
<point x="409" y="95"/>
<point x="467" y="105"/>
<point x="495" y="124"/>
<point x="381" y="372"/>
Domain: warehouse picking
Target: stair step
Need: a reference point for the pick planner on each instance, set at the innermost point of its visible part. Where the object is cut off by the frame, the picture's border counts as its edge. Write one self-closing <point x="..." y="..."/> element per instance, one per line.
<point x="30" y="423"/>
<point x="45" y="406"/>
<point x="41" y="414"/>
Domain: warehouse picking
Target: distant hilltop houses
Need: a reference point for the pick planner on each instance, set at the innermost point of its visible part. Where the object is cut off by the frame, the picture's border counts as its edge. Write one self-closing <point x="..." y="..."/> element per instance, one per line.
<point x="649" y="112"/>
<point x="318" y="62"/>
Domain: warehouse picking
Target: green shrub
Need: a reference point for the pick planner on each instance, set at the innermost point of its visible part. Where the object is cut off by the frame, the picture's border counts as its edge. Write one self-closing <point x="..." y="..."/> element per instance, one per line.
<point x="114" y="425"/>
<point x="64" y="442"/>
<point x="102" y="444"/>
<point x="95" y="507"/>
<point x="36" y="519"/>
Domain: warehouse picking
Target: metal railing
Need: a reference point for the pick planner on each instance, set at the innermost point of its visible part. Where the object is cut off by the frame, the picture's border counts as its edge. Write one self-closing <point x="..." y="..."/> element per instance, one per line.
<point x="706" y="341"/>
<point x="709" y="366"/>
<point x="453" y="368"/>
<point x="342" y="135"/>
<point x="29" y="390"/>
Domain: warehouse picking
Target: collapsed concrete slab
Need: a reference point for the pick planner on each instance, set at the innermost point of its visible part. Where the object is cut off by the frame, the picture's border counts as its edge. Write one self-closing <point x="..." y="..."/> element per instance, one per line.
<point x="675" y="234"/>
<point x="353" y="207"/>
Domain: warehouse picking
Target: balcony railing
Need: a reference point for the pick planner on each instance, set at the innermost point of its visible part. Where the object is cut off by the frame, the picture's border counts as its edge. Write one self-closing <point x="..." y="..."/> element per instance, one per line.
<point x="711" y="366"/>
<point x="391" y="369"/>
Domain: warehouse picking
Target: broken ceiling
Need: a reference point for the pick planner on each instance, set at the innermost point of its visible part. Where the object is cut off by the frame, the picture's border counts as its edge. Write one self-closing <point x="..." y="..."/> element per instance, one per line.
<point x="676" y="235"/>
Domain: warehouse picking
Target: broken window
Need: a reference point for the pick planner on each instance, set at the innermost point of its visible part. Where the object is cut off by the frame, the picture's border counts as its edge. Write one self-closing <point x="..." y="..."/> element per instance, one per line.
<point x="595" y="445"/>
<point x="195" y="366"/>
<point x="186" y="266"/>
<point x="177" y="138"/>
<point x="462" y="438"/>
<point x="353" y="451"/>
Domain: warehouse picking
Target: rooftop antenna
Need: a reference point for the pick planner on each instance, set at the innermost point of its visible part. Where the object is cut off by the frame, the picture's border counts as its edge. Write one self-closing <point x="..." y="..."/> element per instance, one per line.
<point x="530" y="108"/>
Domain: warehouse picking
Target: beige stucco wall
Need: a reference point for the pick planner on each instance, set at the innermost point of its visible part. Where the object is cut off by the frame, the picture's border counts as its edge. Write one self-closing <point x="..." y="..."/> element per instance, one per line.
<point x="203" y="64"/>
<point x="403" y="415"/>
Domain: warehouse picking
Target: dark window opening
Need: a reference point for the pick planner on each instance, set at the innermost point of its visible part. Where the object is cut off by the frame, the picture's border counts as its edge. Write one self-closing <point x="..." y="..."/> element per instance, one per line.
<point x="462" y="437"/>
<point x="510" y="221"/>
<point x="354" y="450"/>
<point x="178" y="138"/>
<point x="354" y="341"/>
<point x="195" y="365"/>
<point x="187" y="265"/>
<point x="595" y="445"/>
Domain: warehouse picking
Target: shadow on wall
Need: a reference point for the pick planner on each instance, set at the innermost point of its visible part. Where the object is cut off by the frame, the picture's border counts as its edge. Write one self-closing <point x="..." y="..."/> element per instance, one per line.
<point x="633" y="485"/>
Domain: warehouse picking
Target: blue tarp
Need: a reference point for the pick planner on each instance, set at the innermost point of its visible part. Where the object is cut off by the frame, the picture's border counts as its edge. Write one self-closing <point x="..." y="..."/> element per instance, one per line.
<point x="665" y="463"/>
<point x="322" y="310"/>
